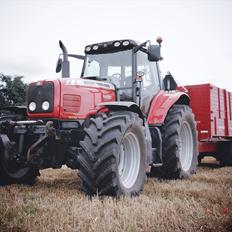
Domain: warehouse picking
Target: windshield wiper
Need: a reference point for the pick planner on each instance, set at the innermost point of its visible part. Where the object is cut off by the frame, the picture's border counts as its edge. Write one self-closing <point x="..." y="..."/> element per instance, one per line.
<point x="95" y="78"/>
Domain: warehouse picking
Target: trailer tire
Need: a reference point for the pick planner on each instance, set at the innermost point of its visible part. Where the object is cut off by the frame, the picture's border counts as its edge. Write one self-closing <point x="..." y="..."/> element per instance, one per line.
<point x="225" y="154"/>
<point x="112" y="160"/>
<point x="180" y="151"/>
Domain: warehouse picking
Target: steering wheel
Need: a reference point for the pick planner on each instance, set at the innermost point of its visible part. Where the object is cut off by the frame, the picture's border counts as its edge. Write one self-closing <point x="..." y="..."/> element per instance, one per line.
<point x="116" y="78"/>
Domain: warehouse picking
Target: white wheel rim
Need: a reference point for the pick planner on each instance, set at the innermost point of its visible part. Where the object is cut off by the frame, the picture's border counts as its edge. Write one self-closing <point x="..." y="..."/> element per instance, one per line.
<point x="129" y="160"/>
<point x="186" y="146"/>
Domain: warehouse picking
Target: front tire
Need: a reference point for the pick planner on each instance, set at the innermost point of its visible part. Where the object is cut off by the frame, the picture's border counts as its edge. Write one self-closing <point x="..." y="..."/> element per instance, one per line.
<point x="180" y="149"/>
<point x="11" y="172"/>
<point x="112" y="161"/>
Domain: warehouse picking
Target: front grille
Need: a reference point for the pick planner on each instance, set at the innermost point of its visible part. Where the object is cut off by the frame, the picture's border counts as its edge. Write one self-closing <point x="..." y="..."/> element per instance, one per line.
<point x="39" y="94"/>
<point x="71" y="103"/>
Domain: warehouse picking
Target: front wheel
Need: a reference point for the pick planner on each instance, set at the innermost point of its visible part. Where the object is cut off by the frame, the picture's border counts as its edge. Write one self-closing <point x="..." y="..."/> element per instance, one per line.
<point x="112" y="161"/>
<point x="180" y="149"/>
<point x="10" y="171"/>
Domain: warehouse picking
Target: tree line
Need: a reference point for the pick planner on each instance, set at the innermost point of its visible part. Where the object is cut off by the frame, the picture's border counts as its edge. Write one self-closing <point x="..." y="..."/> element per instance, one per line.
<point x="12" y="90"/>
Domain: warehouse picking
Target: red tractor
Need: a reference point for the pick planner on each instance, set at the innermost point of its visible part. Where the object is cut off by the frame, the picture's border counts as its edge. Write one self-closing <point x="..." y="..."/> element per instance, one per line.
<point x="111" y="124"/>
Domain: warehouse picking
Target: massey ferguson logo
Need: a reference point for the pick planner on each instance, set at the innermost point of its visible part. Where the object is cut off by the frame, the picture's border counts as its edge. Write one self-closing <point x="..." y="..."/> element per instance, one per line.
<point x="89" y="83"/>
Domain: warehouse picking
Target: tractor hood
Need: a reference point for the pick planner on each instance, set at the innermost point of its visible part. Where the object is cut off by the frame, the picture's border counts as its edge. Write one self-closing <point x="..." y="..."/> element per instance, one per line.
<point x="72" y="98"/>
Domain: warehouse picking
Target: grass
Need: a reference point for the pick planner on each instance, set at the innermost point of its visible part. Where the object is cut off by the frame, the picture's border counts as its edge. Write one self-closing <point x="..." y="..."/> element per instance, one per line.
<point x="201" y="203"/>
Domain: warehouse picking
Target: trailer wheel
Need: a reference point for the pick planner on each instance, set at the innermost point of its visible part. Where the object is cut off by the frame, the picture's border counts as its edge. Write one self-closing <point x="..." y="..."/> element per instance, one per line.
<point x="180" y="150"/>
<point x="224" y="154"/>
<point x="11" y="173"/>
<point x="112" y="161"/>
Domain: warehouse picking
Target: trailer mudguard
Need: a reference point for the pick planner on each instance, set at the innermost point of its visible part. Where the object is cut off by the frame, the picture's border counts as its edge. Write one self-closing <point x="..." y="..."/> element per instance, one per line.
<point x="123" y="105"/>
<point x="161" y="104"/>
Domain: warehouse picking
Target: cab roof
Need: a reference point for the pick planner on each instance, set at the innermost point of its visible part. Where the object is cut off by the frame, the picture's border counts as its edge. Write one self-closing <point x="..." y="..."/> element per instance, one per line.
<point x="111" y="46"/>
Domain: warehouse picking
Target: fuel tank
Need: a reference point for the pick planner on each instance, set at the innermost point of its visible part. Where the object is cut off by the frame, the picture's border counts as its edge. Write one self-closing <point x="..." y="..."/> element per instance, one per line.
<point x="69" y="98"/>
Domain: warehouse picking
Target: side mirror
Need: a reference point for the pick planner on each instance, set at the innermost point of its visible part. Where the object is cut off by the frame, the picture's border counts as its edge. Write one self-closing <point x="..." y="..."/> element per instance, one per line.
<point x="154" y="53"/>
<point x="58" y="65"/>
<point x="169" y="82"/>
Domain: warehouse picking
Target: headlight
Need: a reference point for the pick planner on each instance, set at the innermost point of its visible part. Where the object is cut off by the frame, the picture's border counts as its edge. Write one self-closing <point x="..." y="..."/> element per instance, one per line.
<point x="32" y="106"/>
<point x="125" y="43"/>
<point x="117" y="44"/>
<point x="95" y="47"/>
<point x="87" y="49"/>
<point x="45" y="105"/>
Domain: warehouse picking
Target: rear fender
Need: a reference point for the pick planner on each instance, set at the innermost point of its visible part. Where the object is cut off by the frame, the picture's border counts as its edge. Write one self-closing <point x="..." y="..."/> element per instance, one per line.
<point x="123" y="106"/>
<point x="161" y="104"/>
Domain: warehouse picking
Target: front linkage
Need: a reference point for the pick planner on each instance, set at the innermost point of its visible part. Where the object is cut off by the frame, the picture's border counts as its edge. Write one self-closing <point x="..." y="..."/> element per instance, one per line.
<point x="27" y="146"/>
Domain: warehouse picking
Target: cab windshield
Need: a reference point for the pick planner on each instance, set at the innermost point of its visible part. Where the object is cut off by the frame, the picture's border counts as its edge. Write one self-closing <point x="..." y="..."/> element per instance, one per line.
<point x="115" y="68"/>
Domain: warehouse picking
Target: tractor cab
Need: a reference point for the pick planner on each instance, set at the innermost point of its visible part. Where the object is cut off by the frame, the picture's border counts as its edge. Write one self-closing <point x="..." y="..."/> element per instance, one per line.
<point x="130" y="66"/>
<point x="125" y="64"/>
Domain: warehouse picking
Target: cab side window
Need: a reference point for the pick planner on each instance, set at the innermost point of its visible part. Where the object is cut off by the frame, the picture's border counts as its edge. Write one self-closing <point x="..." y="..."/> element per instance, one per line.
<point x="150" y="83"/>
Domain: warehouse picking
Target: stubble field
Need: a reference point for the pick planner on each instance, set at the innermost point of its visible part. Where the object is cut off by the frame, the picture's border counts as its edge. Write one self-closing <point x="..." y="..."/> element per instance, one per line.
<point x="201" y="203"/>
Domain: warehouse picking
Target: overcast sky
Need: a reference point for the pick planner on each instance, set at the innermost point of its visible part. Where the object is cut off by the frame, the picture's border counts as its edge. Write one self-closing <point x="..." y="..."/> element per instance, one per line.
<point x="197" y="35"/>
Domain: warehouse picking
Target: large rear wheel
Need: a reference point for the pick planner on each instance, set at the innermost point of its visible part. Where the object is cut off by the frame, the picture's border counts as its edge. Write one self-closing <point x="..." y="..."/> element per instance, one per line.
<point x="180" y="150"/>
<point x="112" y="161"/>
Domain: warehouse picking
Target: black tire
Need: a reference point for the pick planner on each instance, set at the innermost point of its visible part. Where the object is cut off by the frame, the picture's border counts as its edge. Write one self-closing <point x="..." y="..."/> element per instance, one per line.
<point x="12" y="173"/>
<point x="200" y="157"/>
<point x="28" y="177"/>
<point x="178" y="120"/>
<point x="102" y="146"/>
<point x="224" y="154"/>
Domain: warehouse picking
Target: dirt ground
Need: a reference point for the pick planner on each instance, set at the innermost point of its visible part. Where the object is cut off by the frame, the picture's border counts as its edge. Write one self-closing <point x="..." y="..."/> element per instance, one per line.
<point x="201" y="203"/>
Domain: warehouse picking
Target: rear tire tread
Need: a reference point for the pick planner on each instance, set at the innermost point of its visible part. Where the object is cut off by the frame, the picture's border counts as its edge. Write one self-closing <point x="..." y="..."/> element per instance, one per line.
<point x="108" y="129"/>
<point x="171" y="168"/>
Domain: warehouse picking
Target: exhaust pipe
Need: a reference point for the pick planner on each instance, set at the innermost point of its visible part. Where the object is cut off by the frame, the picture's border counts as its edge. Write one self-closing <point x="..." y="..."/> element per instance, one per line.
<point x="65" y="67"/>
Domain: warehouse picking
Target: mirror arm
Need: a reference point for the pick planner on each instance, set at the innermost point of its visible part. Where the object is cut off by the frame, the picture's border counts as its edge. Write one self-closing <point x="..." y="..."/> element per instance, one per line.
<point x="80" y="57"/>
<point x="140" y="46"/>
<point x="144" y="50"/>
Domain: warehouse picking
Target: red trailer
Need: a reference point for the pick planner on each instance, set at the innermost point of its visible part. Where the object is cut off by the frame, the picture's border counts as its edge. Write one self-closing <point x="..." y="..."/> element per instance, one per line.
<point x="213" y="113"/>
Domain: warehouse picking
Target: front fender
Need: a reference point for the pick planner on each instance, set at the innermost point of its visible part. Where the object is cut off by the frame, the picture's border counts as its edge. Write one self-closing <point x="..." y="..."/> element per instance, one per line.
<point x="161" y="104"/>
<point x="123" y="105"/>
